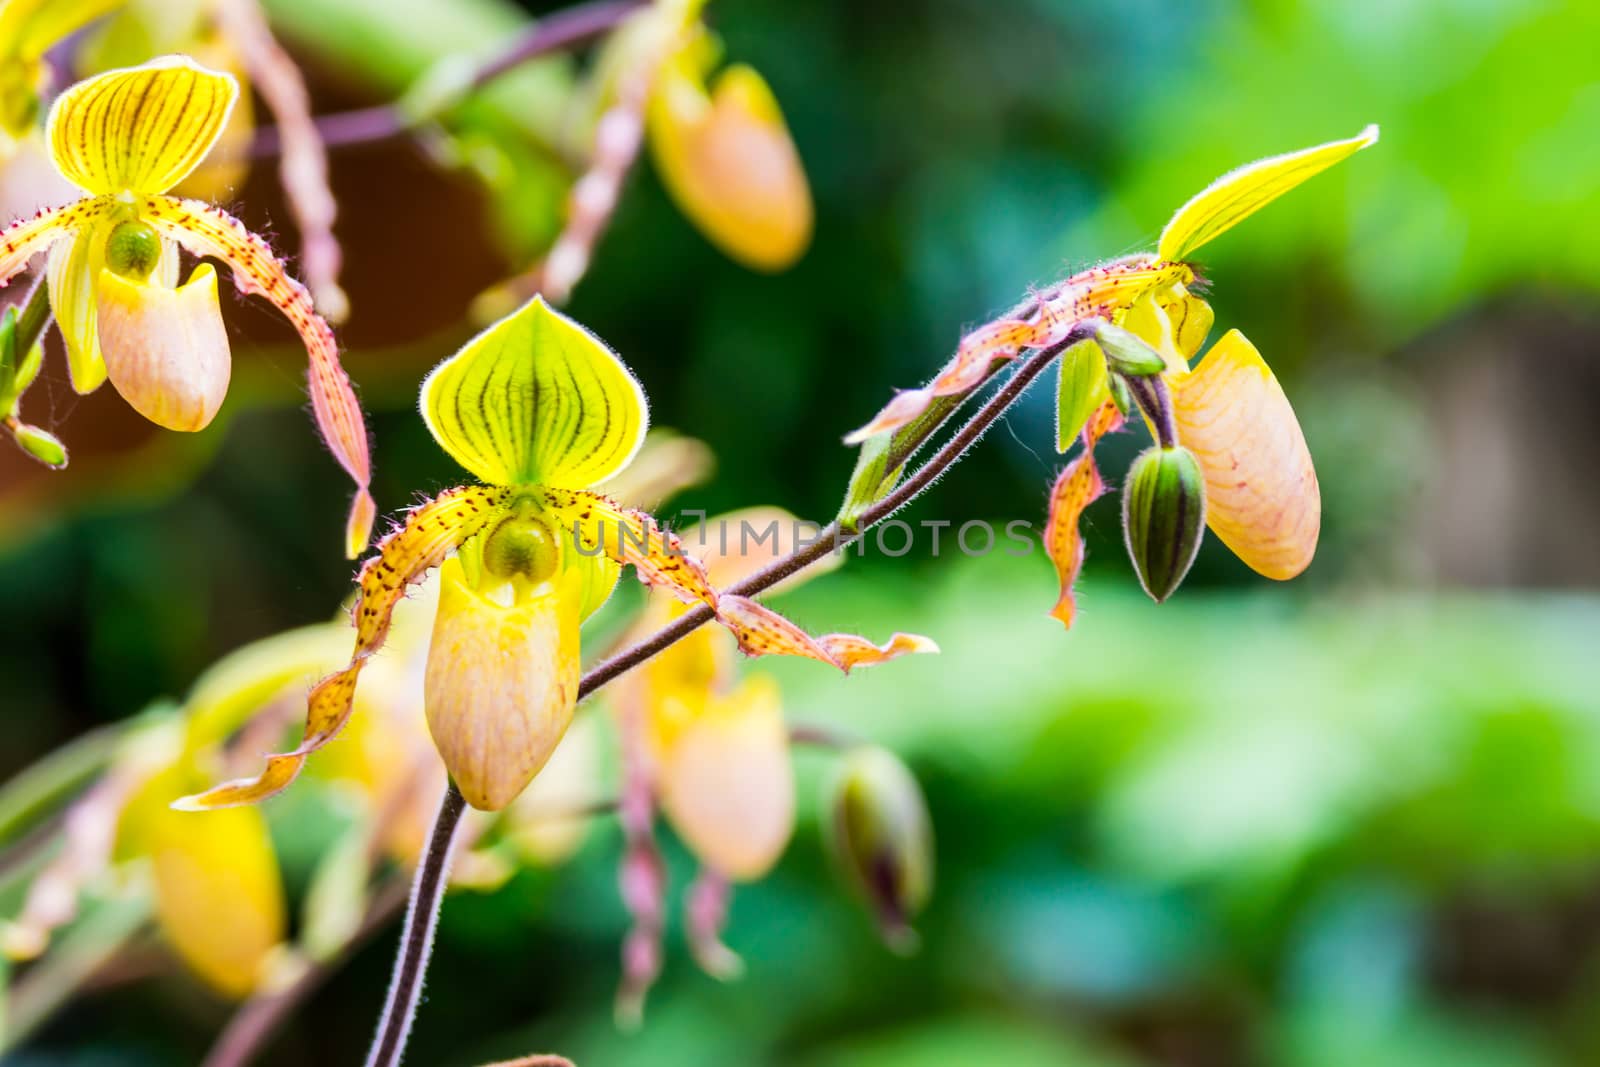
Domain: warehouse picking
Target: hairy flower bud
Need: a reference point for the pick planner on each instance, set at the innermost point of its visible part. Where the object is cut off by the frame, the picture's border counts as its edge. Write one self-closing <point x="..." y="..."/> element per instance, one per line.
<point x="42" y="445"/>
<point x="1127" y="353"/>
<point x="1163" y="517"/>
<point x="880" y="835"/>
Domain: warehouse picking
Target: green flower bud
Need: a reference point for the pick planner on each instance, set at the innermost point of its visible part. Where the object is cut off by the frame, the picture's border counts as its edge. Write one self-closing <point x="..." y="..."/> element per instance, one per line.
<point x="1119" y="394"/>
<point x="880" y="836"/>
<point x="1126" y="353"/>
<point x="40" y="444"/>
<point x="1164" y="517"/>
<point x="133" y="249"/>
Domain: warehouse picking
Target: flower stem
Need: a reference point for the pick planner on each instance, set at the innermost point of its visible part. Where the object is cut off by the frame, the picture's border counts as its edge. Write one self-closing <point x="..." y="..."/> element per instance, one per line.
<point x="428" y="889"/>
<point x="834" y="538"/>
<point x="416" y="941"/>
<point x="553" y="33"/>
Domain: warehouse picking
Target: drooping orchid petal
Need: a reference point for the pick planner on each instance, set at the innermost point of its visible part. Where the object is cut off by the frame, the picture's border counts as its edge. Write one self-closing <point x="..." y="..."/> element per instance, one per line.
<point x="210" y="231"/>
<point x="1262" y="497"/>
<point x="1078" y="486"/>
<point x="165" y="350"/>
<point x="726" y="157"/>
<point x="26" y="238"/>
<point x="1241" y="193"/>
<point x="502" y="682"/>
<point x="727" y="784"/>
<point x="75" y="265"/>
<point x="431" y="531"/>
<point x="536" y="399"/>
<point x="139" y="130"/>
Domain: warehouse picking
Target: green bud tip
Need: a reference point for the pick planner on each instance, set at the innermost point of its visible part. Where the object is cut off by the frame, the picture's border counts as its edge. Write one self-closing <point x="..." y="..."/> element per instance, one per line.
<point x="133" y="249"/>
<point x="881" y="838"/>
<point x="521" y="547"/>
<point x="1163" y="517"/>
<point x="1126" y="353"/>
<point x="40" y="444"/>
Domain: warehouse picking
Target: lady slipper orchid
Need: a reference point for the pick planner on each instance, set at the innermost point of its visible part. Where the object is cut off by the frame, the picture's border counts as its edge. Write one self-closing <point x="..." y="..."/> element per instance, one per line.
<point x="124" y="138"/>
<point x="1229" y="412"/>
<point x="540" y="411"/>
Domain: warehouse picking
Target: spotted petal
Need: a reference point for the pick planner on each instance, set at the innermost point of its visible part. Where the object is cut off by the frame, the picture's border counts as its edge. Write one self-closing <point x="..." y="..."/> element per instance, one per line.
<point x="1240" y="193"/>
<point x="208" y="231"/>
<point x="141" y="129"/>
<point x="536" y="398"/>
<point x="1078" y="486"/>
<point x="26" y="238"/>
<point x="1262" y="497"/>
<point x="429" y="534"/>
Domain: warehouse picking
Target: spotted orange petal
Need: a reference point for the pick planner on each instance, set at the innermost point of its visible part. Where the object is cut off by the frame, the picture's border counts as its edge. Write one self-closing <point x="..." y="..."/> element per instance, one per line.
<point x="1078" y="486"/>
<point x="209" y="231"/>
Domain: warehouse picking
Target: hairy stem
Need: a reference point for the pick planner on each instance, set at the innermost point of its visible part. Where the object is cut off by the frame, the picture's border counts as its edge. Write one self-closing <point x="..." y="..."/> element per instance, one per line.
<point x="416" y="940"/>
<point x="833" y="538"/>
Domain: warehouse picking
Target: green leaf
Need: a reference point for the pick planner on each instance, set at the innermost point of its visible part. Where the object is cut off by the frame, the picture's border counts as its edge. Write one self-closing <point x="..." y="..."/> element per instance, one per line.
<point x="1080" y="389"/>
<point x="882" y="459"/>
<point x="536" y="399"/>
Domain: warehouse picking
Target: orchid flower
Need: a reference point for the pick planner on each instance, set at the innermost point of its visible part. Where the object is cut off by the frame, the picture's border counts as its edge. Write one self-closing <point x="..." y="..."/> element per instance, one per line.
<point x="1260" y="488"/>
<point x="539" y="410"/>
<point x="124" y="138"/>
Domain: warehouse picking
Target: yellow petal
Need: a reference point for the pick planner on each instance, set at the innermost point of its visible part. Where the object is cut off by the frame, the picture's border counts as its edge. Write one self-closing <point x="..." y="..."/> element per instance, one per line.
<point x="1262" y="497"/>
<point x="219" y="896"/>
<point x="74" y="265"/>
<point x="141" y="129"/>
<point x="536" y="398"/>
<point x="166" y="350"/>
<point x="431" y="531"/>
<point x="729" y="163"/>
<point x="1190" y="317"/>
<point x="1242" y="192"/>
<point x="223" y="171"/>
<point x="209" y="231"/>
<point x="727" y="785"/>
<point x="502" y="683"/>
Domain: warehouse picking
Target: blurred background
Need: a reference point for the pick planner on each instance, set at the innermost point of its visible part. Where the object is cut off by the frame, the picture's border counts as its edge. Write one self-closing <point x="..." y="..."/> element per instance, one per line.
<point x="1351" y="819"/>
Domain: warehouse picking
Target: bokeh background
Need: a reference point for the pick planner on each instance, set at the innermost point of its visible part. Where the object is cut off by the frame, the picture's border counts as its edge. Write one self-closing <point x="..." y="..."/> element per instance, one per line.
<point x="1350" y="820"/>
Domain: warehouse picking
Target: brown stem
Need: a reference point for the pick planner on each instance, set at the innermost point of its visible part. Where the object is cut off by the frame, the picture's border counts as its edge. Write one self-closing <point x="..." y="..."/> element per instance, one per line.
<point x="553" y="33"/>
<point x="833" y="538"/>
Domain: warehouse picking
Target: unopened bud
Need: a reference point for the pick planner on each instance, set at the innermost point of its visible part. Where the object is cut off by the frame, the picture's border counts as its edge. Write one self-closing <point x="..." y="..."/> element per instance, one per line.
<point x="1163" y="517"/>
<point x="880" y="835"/>
<point x="1118" y="385"/>
<point x="1126" y="353"/>
<point x="133" y="249"/>
<point x="42" y="445"/>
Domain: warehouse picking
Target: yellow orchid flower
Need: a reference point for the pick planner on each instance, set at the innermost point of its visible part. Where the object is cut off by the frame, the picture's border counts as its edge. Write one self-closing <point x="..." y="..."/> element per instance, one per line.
<point x="28" y="30"/>
<point x="539" y="410"/>
<point x="726" y="157"/>
<point x="1260" y="488"/>
<point x="124" y="138"/>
